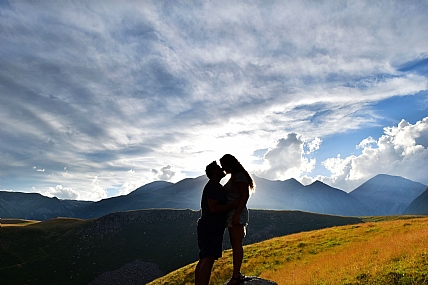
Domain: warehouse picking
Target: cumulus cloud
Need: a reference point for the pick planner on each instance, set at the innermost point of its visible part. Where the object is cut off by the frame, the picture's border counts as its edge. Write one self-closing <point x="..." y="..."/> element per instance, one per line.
<point x="165" y="173"/>
<point x="97" y="192"/>
<point x="313" y="145"/>
<point x="401" y="151"/>
<point x="62" y="193"/>
<point x="129" y="186"/>
<point x="287" y="159"/>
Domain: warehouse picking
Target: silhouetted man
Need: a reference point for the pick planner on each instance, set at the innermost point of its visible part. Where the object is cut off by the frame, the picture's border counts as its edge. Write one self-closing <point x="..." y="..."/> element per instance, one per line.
<point x="212" y="223"/>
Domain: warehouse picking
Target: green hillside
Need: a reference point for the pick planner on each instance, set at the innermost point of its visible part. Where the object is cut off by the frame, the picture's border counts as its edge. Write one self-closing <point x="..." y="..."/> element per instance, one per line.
<point x="391" y="250"/>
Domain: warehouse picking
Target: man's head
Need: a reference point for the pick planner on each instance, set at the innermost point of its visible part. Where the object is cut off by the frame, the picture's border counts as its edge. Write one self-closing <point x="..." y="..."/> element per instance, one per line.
<point x="214" y="171"/>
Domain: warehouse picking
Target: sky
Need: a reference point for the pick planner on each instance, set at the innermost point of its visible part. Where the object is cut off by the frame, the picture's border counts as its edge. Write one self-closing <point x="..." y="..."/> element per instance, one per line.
<point x="101" y="97"/>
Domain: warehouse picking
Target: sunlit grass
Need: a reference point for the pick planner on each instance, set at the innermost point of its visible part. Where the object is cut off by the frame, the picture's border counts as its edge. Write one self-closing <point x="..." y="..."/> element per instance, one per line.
<point x="372" y="253"/>
<point x="387" y="252"/>
<point x="16" y="222"/>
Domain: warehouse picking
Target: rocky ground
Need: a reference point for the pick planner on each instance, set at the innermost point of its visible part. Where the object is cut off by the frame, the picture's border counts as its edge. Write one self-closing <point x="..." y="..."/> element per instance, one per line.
<point x="256" y="281"/>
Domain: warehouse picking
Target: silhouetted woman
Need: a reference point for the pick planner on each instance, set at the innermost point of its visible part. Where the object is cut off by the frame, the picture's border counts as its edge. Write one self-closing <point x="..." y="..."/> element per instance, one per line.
<point x="239" y="186"/>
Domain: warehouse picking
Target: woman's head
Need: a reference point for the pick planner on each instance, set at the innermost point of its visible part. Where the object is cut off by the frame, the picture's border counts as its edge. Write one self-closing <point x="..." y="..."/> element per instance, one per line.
<point x="231" y="165"/>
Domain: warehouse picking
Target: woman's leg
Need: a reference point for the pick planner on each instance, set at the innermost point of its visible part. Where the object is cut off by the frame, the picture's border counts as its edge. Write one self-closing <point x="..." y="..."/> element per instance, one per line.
<point x="236" y="235"/>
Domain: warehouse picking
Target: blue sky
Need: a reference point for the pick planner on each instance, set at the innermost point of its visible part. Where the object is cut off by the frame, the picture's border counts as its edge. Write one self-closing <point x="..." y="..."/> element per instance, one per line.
<point x="99" y="98"/>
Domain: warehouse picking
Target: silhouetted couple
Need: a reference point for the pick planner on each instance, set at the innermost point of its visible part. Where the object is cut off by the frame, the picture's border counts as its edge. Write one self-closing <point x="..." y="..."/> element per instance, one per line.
<point x="221" y="207"/>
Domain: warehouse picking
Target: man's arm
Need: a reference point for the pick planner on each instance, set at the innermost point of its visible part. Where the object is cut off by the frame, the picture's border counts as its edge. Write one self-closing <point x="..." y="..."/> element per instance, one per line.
<point x="215" y="207"/>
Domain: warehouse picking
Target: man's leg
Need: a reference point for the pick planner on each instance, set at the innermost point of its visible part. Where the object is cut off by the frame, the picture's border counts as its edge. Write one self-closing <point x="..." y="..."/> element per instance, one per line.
<point x="197" y="274"/>
<point x="203" y="271"/>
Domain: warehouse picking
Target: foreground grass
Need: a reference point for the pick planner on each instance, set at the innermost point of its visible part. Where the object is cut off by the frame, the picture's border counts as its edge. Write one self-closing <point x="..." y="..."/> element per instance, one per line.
<point x="392" y="251"/>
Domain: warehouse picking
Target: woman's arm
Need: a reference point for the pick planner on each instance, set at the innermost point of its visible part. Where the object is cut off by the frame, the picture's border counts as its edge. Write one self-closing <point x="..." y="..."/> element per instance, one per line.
<point x="245" y="195"/>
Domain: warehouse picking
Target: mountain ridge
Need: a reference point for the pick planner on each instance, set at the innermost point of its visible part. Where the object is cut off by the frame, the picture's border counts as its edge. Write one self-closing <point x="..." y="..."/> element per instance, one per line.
<point x="390" y="195"/>
<point x="377" y="196"/>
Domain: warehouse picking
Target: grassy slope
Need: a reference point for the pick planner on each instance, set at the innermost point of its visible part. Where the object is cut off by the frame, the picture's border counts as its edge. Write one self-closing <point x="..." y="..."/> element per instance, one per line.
<point x="380" y="251"/>
<point x="62" y="251"/>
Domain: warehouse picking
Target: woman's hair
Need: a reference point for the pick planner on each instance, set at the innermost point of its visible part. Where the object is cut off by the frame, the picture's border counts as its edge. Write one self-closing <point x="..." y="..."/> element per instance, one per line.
<point x="236" y="167"/>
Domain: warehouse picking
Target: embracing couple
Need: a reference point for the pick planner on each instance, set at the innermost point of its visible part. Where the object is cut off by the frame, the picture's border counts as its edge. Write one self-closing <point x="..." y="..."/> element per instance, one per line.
<point x="221" y="207"/>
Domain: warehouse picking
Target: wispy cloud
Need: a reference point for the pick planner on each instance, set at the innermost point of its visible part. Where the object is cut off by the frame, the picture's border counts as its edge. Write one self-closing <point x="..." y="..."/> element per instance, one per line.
<point x="103" y="87"/>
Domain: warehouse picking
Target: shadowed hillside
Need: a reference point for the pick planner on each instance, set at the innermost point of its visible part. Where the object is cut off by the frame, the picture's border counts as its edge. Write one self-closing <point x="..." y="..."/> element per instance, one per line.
<point x="419" y="206"/>
<point x="73" y="251"/>
<point x="37" y="207"/>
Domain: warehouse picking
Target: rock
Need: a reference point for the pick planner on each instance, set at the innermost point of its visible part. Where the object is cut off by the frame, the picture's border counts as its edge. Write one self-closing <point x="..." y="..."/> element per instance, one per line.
<point x="256" y="281"/>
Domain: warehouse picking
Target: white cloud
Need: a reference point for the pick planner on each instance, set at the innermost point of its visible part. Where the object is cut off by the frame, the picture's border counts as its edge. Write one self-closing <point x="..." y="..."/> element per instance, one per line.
<point x="39" y="169"/>
<point x="130" y="186"/>
<point x="286" y="159"/>
<point x="401" y="151"/>
<point x="96" y="193"/>
<point x="366" y="143"/>
<point x="314" y="145"/>
<point x="62" y="193"/>
<point x="166" y="173"/>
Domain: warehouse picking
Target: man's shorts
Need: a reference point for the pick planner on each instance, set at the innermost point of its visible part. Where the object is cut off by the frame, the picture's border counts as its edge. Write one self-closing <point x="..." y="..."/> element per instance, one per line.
<point x="210" y="239"/>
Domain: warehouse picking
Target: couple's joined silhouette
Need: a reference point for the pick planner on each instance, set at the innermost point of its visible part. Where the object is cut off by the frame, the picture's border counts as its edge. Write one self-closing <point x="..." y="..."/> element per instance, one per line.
<point x="221" y="207"/>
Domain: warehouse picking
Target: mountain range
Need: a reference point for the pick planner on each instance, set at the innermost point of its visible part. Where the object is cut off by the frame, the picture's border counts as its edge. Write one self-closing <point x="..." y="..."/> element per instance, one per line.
<point x="380" y="195"/>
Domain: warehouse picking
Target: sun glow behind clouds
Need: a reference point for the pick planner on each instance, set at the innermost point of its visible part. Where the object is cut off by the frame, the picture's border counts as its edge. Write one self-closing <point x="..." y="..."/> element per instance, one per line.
<point x="165" y="88"/>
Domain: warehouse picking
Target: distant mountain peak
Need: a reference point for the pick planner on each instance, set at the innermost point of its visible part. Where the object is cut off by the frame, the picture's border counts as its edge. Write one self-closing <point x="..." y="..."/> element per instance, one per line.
<point x="319" y="184"/>
<point x="293" y="180"/>
<point x="388" y="178"/>
<point x="390" y="194"/>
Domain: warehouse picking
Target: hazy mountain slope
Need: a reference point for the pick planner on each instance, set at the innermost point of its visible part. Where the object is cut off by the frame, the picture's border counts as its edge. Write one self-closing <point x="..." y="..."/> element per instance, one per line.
<point x="317" y="197"/>
<point x="141" y="198"/>
<point x="185" y="194"/>
<point x="150" y="187"/>
<point x="390" y="195"/>
<point x="381" y="195"/>
<point x="71" y="251"/>
<point x="419" y="206"/>
<point x="34" y="206"/>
